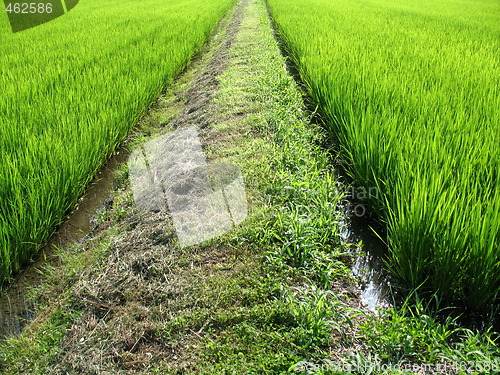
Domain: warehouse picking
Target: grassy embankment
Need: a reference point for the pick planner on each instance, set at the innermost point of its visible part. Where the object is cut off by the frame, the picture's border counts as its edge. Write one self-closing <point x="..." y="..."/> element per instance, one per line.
<point x="71" y="90"/>
<point x="263" y="298"/>
<point x="411" y="95"/>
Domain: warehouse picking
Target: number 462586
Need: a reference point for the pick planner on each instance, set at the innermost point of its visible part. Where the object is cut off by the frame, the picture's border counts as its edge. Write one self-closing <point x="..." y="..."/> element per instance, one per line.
<point x="26" y="8"/>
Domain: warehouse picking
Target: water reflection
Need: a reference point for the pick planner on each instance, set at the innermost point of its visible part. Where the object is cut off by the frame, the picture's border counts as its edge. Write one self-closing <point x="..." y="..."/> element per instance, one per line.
<point x="368" y="264"/>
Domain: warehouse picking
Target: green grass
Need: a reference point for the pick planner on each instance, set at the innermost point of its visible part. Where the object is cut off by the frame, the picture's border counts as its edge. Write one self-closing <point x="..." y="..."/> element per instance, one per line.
<point x="411" y="94"/>
<point x="71" y="90"/>
<point x="253" y="301"/>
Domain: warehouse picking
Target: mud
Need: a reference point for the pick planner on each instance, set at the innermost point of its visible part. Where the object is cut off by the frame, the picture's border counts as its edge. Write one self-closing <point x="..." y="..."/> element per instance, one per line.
<point x="16" y="308"/>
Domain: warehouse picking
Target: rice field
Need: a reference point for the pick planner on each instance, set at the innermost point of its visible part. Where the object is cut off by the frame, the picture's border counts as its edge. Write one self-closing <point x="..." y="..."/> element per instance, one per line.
<point x="411" y="93"/>
<point x="70" y="91"/>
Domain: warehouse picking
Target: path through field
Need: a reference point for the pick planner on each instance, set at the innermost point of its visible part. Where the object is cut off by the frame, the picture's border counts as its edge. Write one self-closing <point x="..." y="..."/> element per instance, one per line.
<point x="142" y="303"/>
<point x="274" y="295"/>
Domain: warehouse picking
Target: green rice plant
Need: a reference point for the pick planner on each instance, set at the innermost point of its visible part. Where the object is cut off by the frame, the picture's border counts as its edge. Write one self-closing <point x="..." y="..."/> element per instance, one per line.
<point x="410" y="92"/>
<point x="70" y="92"/>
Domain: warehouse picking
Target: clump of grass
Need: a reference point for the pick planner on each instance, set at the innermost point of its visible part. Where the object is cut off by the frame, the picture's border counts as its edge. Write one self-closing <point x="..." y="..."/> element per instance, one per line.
<point x="413" y="334"/>
<point x="302" y="222"/>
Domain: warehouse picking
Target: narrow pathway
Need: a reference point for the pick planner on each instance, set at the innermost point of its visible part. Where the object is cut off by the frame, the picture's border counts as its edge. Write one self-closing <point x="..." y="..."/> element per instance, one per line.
<point x="144" y="305"/>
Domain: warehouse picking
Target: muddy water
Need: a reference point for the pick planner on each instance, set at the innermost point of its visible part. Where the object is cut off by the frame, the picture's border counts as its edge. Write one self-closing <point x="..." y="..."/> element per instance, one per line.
<point x="368" y="266"/>
<point x="15" y="308"/>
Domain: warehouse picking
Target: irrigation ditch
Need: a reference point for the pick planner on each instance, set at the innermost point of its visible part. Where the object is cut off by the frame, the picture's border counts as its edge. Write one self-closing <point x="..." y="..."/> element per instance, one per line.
<point x="356" y="221"/>
<point x="16" y="307"/>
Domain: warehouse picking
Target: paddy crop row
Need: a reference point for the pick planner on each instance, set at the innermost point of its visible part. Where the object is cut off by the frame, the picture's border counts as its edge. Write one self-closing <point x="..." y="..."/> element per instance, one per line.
<point x="70" y="92"/>
<point x="411" y="94"/>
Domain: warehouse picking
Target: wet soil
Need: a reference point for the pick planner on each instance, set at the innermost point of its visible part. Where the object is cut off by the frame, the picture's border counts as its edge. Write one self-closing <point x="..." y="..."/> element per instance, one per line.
<point x="16" y="307"/>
